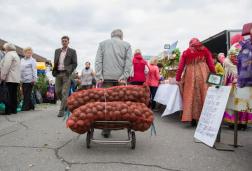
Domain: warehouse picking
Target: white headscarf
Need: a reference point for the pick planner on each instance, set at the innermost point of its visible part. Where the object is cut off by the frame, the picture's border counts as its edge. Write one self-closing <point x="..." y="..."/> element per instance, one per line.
<point x="229" y="66"/>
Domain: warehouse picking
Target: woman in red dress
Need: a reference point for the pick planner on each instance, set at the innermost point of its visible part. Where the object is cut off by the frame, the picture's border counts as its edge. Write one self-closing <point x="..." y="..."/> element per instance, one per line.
<point x="195" y="63"/>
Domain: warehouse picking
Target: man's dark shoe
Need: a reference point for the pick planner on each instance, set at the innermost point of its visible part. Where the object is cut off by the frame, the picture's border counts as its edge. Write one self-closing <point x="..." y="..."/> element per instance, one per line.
<point x="61" y="114"/>
<point x="106" y="133"/>
<point x="193" y="123"/>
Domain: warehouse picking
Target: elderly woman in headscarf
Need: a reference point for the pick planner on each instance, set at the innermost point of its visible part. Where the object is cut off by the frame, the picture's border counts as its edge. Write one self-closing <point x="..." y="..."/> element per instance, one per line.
<point x="230" y="63"/>
<point x="196" y="62"/>
<point x="239" y="74"/>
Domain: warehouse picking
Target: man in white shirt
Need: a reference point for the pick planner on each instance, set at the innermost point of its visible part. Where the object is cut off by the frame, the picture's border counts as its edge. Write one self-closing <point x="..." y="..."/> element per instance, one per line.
<point x="65" y="62"/>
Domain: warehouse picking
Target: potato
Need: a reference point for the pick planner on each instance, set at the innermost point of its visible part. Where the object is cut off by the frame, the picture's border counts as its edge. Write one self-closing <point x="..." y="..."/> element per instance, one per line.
<point x="88" y="110"/>
<point x="128" y="92"/>
<point x="82" y="116"/>
<point x="78" y="95"/>
<point x="76" y="114"/>
<point x="74" y="118"/>
<point x="121" y="94"/>
<point x="96" y="96"/>
<point x="75" y="103"/>
<point x="91" y="95"/>
<point x="99" y="107"/>
<point x="124" y="111"/>
<point x="117" y="112"/>
<point x="137" y="112"/>
<point x="80" y="123"/>
<point x="83" y="108"/>
<point x="75" y="126"/>
<point x="81" y="101"/>
<point x="70" y="123"/>
<point x="85" y="98"/>
<point x="100" y="115"/>
<point x="89" y="116"/>
<point x="94" y="110"/>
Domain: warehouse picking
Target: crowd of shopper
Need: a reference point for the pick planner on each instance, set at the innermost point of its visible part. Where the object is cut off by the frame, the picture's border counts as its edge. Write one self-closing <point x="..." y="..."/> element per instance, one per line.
<point x="15" y="71"/>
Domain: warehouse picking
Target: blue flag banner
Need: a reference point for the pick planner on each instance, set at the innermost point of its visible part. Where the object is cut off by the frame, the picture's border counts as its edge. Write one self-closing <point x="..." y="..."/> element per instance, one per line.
<point x="172" y="47"/>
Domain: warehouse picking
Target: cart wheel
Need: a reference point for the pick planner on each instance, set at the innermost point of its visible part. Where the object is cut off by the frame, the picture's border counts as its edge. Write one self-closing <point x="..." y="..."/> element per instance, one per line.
<point x="133" y="140"/>
<point x="88" y="139"/>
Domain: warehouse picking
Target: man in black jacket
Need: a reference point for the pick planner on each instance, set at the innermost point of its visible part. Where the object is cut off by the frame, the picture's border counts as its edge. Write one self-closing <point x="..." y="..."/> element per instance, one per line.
<point x="65" y="62"/>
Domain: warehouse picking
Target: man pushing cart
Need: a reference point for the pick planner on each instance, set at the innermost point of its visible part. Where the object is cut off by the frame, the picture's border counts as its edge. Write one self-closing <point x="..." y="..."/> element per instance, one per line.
<point x="113" y="63"/>
<point x="111" y="106"/>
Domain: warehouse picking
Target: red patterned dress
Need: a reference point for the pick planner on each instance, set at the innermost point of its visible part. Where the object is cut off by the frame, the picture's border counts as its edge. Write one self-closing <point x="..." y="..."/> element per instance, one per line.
<point x="195" y="63"/>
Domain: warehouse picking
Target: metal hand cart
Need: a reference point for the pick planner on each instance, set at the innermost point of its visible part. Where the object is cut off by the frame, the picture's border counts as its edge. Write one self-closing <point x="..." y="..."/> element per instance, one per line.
<point x="111" y="125"/>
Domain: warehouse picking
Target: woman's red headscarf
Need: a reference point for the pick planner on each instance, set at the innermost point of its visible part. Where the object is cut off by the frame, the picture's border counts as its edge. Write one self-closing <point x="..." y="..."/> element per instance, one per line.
<point x="236" y="38"/>
<point x="195" y="44"/>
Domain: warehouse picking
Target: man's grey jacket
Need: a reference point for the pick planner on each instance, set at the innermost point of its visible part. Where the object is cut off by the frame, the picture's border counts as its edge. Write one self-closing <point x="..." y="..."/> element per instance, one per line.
<point x="113" y="60"/>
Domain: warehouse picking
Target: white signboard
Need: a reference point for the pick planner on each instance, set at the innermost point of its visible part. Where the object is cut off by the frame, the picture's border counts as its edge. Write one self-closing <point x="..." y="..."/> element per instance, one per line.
<point x="212" y="114"/>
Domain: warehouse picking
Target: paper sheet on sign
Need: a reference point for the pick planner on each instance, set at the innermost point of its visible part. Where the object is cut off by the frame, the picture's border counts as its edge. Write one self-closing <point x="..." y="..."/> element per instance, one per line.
<point x="212" y="114"/>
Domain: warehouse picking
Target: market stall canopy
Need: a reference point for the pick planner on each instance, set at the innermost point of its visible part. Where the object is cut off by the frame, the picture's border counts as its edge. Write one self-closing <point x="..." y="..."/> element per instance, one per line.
<point x="220" y="43"/>
<point x="20" y="53"/>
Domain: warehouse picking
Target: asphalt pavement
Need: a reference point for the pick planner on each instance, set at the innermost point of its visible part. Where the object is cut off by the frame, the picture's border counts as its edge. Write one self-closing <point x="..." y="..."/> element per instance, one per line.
<point x="39" y="141"/>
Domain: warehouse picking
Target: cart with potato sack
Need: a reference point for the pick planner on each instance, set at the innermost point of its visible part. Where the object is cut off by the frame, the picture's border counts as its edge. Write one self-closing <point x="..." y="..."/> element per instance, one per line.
<point x="115" y="108"/>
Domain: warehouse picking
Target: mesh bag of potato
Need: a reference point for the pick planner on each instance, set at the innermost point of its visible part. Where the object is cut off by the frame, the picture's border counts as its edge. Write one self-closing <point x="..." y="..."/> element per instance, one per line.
<point x="120" y="103"/>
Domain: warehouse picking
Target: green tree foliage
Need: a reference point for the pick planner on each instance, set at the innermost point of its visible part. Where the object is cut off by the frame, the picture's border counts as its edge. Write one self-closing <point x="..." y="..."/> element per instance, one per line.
<point x="41" y="84"/>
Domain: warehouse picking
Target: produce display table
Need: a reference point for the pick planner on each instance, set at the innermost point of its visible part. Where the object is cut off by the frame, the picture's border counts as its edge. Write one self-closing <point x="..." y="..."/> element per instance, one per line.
<point x="169" y="95"/>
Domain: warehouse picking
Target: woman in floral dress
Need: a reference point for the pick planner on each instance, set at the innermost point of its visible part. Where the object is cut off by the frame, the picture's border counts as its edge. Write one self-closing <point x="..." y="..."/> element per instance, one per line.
<point x="230" y="79"/>
<point x="196" y="63"/>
